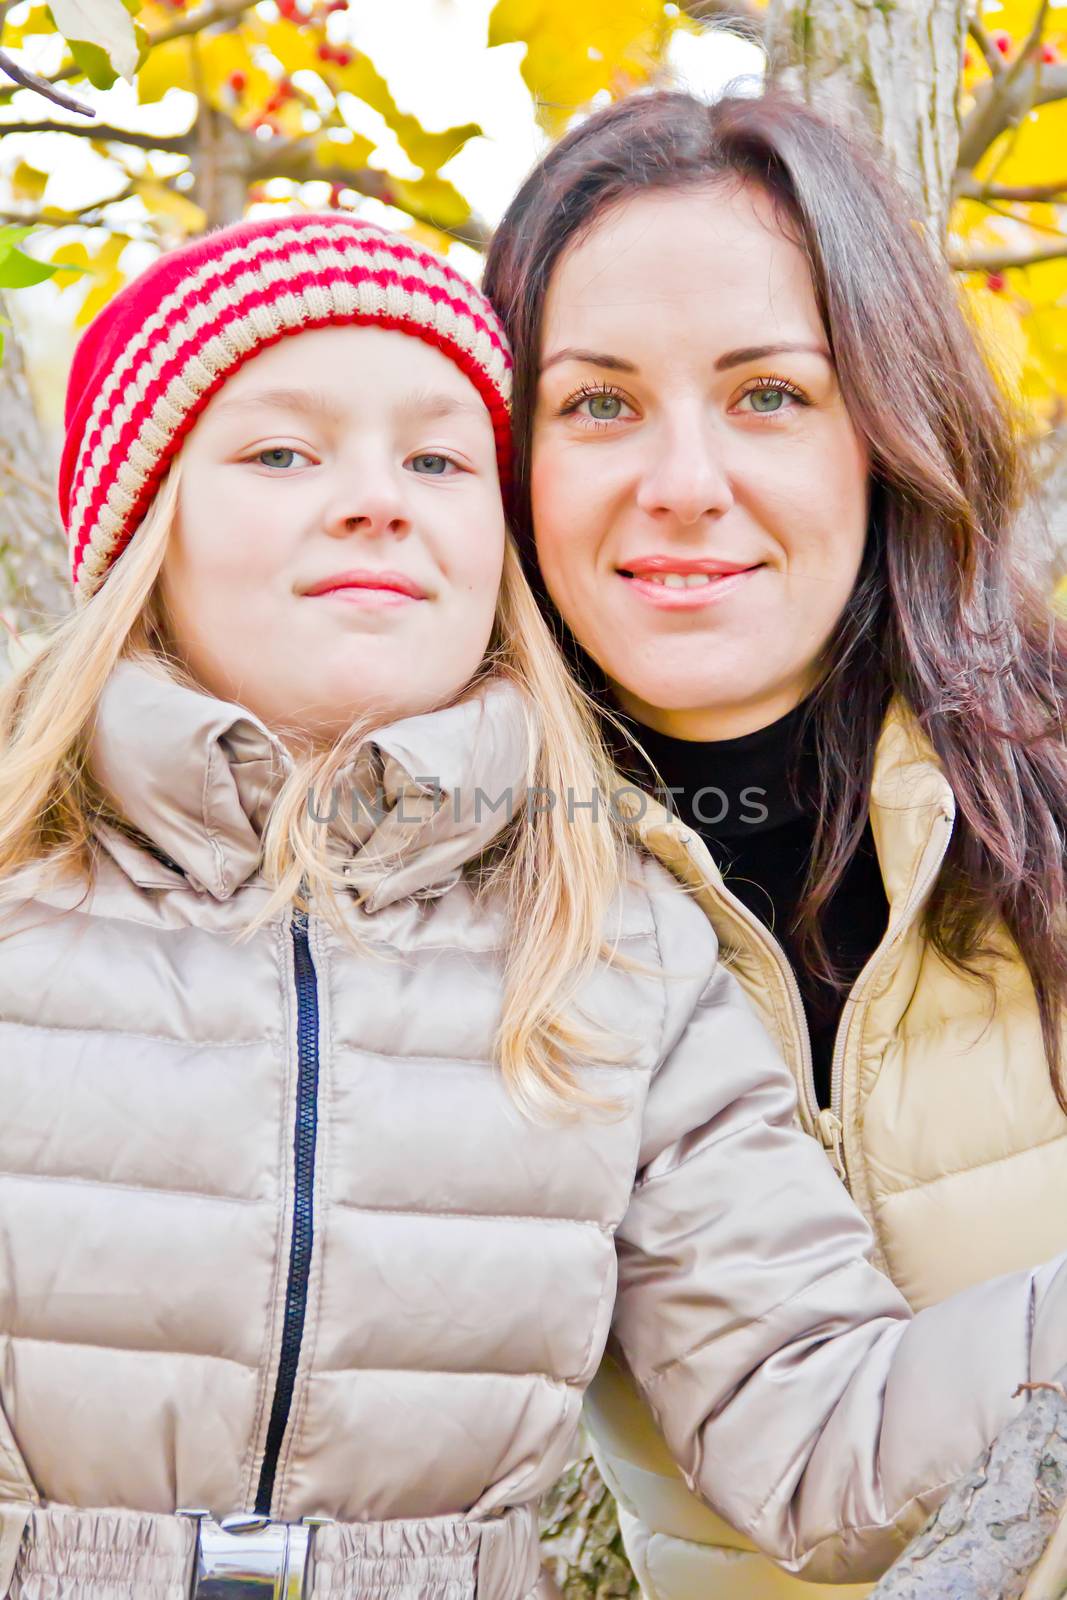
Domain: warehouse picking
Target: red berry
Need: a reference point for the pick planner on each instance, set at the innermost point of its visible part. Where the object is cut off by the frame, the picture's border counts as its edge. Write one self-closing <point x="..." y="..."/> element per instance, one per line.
<point x="997" y="282"/>
<point x="1049" y="54"/>
<point x="336" y="5"/>
<point x="325" y="52"/>
<point x="238" y="82"/>
<point x="344" y="58"/>
<point x="1002" y="42"/>
<point x="285" y="91"/>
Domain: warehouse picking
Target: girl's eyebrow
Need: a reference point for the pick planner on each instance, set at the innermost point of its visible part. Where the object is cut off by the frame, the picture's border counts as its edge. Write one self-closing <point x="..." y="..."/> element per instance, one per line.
<point x="307" y="402"/>
<point x="423" y="403"/>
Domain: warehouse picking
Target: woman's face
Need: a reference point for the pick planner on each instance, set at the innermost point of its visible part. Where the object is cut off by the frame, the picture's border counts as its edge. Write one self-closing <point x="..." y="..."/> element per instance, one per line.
<point x="340" y="533"/>
<point x="699" y="490"/>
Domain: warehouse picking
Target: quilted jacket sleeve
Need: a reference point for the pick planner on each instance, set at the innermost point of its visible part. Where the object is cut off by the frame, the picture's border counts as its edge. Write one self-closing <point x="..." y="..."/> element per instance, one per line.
<point x="800" y="1397"/>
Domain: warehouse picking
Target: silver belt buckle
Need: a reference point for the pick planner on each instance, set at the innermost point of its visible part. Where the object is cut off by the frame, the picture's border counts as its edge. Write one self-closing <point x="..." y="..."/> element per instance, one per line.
<point x="245" y="1557"/>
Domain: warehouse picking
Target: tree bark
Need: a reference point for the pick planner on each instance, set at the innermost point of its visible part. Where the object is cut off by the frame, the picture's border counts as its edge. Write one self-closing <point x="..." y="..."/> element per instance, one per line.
<point x="221" y="160"/>
<point x="580" y="1540"/>
<point x="987" y="1540"/>
<point x="33" y="555"/>
<point x="892" y="66"/>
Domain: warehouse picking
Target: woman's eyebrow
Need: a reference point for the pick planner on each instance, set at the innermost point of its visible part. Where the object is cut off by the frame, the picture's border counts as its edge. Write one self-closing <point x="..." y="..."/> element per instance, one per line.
<point x="592" y="358"/>
<point x="759" y="352"/>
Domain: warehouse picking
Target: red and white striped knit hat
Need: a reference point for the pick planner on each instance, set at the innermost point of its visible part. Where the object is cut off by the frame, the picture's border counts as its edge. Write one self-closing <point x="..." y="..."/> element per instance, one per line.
<point x="150" y="362"/>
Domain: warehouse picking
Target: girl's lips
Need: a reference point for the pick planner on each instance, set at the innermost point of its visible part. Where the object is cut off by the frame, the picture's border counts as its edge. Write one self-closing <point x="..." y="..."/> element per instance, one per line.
<point x="718" y="587"/>
<point x="361" y="595"/>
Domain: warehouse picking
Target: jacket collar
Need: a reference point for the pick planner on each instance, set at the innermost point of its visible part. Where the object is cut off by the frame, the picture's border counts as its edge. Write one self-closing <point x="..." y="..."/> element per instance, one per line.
<point x="197" y="777"/>
<point x="909" y="794"/>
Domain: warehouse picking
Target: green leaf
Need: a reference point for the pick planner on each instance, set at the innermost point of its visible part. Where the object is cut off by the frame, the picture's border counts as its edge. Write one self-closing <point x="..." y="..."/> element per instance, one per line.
<point x="104" y="23"/>
<point x="93" y="62"/>
<point x="22" y="272"/>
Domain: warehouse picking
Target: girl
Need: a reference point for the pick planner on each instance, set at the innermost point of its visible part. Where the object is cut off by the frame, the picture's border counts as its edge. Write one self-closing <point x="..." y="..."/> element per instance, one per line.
<point x="355" y="1082"/>
<point x="772" y="488"/>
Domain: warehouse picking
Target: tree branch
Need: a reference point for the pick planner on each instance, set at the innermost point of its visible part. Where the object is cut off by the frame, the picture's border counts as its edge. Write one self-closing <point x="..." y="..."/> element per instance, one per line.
<point x="969" y="188"/>
<point x="195" y="22"/>
<point x="29" y="80"/>
<point x="994" y="1525"/>
<point x="990" y="54"/>
<point x="178" y="144"/>
<point x="1000" y="260"/>
<point x="53" y="217"/>
<point x="296" y="162"/>
<point x="1002" y="103"/>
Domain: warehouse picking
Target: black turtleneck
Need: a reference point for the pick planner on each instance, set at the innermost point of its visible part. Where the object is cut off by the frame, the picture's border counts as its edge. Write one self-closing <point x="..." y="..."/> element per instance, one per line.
<point x="753" y="802"/>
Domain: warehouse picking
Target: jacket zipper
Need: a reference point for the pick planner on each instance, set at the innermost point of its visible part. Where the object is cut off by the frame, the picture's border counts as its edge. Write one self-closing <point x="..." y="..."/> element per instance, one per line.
<point x="827" y="1121"/>
<point x="303" y="1228"/>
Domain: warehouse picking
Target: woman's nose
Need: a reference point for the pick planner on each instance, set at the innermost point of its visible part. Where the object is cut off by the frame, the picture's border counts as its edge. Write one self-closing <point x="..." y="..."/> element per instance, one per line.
<point x="687" y="477"/>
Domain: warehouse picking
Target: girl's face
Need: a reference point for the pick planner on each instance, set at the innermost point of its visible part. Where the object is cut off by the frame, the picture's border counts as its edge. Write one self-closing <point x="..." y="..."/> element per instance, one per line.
<point x="340" y="533"/>
<point x="699" y="490"/>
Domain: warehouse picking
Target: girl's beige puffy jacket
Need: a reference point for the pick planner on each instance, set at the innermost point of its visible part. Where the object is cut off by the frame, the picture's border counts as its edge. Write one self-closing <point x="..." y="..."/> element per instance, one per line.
<point x="943" y="1125"/>
<point x="272" y="1234"/>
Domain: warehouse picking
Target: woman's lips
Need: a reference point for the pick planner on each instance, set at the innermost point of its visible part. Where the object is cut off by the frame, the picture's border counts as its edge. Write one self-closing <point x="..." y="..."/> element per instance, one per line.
<point x="718" y="586"/>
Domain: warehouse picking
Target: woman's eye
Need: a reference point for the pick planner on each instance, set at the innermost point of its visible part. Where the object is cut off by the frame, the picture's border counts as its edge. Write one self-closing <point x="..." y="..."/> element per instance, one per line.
<point x="281" y="457"/>
<point x="430" y="465"/>
<point x="769" y="398"/>
<point x="603" y="407"/>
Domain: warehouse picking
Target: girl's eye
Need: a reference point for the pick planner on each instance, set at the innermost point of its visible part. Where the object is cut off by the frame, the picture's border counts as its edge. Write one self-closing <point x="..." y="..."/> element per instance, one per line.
<point x="281" y="458"/>
<point x="432" y="466"/>
<point x="767" y="398"/>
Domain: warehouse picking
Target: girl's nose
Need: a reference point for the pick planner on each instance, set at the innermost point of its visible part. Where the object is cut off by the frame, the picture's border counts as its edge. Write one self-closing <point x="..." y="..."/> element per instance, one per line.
<point x="687" y="478"/>
<point x="373" y="506"/>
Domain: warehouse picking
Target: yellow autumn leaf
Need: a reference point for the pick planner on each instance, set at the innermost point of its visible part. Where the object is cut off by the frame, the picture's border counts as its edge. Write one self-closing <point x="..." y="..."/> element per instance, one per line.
<point x="361" y="78"/>
<point x="429" y="150"/>
<point x="1000" y="334"/>
<point x="160" y="200"/>
<point x="423" y="233"/>
<point x="296" y="48"/>
<point x="167" y="66"/>
<point x="351" y="153"/>
<point x="1034" y="152"/>
<point x="575" y="49"/>
<point x="27" y="183"/>
<point x="37" y="20"/>
<point x="432" y="200"/>
<point x="107" y="277"/>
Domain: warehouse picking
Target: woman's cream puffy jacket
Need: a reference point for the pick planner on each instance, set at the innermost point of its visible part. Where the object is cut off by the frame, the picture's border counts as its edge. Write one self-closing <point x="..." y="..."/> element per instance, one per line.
<point x="272" y="1233"/>
<point x="943" y="1124"/>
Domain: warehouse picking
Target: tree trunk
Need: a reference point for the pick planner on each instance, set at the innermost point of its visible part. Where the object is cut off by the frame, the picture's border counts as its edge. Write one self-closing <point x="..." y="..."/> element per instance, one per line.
<point x="986" y="1542"/>
<point x="580" y="1539"/>
<point x="892" y="66"/>
<point x="221" y="164"/>
<point x="33" y="554"/>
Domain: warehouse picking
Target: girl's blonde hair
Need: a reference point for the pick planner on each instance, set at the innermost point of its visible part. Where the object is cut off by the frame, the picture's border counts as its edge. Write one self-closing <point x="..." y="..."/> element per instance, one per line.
<point x="559" y="867"/>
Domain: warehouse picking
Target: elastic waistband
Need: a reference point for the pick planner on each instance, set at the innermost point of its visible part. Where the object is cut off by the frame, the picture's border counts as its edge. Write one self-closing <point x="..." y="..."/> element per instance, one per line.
<point x="68" y="1554"/>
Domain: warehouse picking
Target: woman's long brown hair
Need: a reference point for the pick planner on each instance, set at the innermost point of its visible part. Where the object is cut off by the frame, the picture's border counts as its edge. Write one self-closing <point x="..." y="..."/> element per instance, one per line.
<point x="944" y="614"/>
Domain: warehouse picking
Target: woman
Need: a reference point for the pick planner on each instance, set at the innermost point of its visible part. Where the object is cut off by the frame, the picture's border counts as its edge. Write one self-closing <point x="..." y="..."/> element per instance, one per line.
<point x="770" y="486"/>
<point x="349" y="1097"/>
